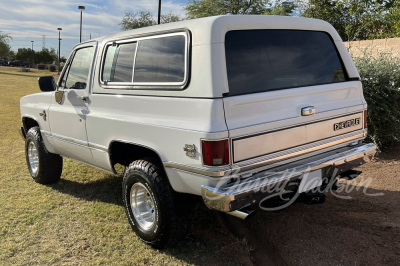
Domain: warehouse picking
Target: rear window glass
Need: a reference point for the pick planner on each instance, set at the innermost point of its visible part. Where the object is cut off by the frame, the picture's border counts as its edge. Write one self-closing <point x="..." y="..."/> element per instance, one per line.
<point x="263" y="60"/>
<point x="160" y="60"/>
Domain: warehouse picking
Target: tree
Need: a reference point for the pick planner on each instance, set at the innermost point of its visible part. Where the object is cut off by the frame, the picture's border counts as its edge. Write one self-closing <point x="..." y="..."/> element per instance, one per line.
<point x="169" y="17"/>
<point x="139" y="20"/>
<point x="356" y="19"/>
<point x="25" y="54"/>
<point x="392" y="17"/>
<point x="144" y="19"/>
<point x="331" y="11"/>
<point x="285" y="8"/>
<point x="206" y="8"/>
<point x="5" y="48"/>
<point x="45" y="56"/>
<point x="11" y="56"/>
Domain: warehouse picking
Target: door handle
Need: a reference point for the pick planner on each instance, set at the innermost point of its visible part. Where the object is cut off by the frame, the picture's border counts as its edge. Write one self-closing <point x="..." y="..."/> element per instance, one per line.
<point x="83" y="98"/>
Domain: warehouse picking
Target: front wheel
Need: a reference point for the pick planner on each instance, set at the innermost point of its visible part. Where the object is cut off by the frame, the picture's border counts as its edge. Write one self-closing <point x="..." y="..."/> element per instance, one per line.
<point x="44" y="167"/>
<point x="149" y="205"/>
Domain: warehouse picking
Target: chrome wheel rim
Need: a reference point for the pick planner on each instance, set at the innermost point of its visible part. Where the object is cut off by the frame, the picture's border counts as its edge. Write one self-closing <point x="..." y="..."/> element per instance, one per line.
<point x="33" y="157"/>
<point x="143" y="206"/>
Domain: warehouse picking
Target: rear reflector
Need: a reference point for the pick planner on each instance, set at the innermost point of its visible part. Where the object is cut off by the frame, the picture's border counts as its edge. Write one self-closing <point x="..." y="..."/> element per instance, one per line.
<point x="365" y="119"/>
<point x="215" y="153"/>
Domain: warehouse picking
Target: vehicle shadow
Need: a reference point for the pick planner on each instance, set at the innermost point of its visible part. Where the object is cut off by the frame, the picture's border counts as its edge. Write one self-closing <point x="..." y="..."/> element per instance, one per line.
<point x="391" y="153"/>
<point x="362" y="230"/>
<point x="106" y="190"/>
<point x="358" y="226"/>
<point x="209" y="239"/>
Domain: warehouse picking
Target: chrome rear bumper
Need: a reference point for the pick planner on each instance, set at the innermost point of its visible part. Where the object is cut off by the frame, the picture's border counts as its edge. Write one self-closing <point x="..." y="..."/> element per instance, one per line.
<point x="240" y="193"/>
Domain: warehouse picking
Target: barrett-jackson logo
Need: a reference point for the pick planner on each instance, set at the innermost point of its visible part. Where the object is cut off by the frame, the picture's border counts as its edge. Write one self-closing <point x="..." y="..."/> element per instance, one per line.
<point x="346" y="124"/>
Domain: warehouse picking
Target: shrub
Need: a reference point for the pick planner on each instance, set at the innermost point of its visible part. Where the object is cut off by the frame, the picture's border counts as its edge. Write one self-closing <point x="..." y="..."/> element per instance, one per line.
<point x="380" y="77"/>
<point x="52" y="68"/>
<point x="41" y="66"/>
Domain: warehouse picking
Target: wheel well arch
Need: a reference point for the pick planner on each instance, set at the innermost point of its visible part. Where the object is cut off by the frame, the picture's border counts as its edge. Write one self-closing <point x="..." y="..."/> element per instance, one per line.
<point x="123" y="152"/>
<point x="28" y="123"/>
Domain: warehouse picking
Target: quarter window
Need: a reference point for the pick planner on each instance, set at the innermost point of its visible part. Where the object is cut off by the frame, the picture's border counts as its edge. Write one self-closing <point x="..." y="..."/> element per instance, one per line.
<point x="118" y="64"/>
<point x="147" y="62"/>
<point x="161" y="60"/>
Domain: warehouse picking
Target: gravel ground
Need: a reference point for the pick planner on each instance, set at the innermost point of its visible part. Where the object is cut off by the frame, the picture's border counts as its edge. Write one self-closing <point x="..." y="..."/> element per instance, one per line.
<point x="363" y="229"/>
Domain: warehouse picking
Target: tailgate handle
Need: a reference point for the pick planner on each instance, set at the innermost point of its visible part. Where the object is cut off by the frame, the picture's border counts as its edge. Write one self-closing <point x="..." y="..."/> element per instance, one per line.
<point x="309" y="110"/>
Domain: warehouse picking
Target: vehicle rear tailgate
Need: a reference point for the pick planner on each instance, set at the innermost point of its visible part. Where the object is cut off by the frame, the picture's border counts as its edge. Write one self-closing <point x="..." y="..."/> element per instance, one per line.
<point x="269" y="122"/>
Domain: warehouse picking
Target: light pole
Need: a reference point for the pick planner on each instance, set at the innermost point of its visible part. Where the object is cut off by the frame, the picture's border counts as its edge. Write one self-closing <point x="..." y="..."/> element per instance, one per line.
<point x="59" y="48"/>
<point x="80" y="35"/>
<point x="33" y="54"/>
<point x="159" y="12"/>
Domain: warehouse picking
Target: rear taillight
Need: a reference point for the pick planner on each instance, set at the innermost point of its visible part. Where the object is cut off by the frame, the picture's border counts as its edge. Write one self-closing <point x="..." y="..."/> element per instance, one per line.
<point x="215" y="153"/>
<point x="365" y="119"/>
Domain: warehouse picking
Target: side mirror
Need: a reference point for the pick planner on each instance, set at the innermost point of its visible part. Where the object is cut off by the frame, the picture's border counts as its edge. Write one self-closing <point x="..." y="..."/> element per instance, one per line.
<point x="47" y="83"/>
<point x="79" y="86"/>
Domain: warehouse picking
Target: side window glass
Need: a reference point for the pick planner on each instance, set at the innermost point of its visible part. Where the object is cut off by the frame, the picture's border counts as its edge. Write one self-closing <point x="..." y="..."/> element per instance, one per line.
<point x="78" y="72"/>
<point x="64" y="77"/>
<point x="118" y="64"/>
<point x="160" y="60"/>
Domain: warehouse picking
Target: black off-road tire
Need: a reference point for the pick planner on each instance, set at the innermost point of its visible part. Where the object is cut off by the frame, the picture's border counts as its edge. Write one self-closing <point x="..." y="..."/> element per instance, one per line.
<point x="170" y="225"/>
<point x="49" y="166"/>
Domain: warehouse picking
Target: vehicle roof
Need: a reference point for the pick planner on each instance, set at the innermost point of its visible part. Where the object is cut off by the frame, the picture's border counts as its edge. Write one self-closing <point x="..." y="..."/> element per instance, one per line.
<point x="208" y="50"/>
<point x="211" y="29"/>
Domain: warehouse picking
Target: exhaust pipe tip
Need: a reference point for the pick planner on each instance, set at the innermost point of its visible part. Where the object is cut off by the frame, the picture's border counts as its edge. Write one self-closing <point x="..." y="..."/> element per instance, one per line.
<point x="242" y="214"/>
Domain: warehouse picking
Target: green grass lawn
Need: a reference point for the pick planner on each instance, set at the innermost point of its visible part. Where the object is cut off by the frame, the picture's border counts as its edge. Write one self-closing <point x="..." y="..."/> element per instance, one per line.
<point x="79" y="220"/>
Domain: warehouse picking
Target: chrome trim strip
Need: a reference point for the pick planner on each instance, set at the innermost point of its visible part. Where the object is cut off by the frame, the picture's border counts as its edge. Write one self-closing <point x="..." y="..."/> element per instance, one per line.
<point x="65" y="139"/>
<point x="98" y="147"/>
<point x="212" y="172"/>
<point x="149" y="85"/>
<point x="295" y="125"/>
<point x="231" y="197"/>
<point x="74" y="141"/>
<point x="273" y="160"/>
<point x="70" y="140"/>
<point x="272" y="142"/>
<point x="297" y="151"/>
<point x="47" y="133"/>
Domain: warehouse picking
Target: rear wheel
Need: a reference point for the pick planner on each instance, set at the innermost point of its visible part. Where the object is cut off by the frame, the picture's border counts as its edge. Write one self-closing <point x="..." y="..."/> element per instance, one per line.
<point x="44" y="167"/>
<point x="149" y="205"/>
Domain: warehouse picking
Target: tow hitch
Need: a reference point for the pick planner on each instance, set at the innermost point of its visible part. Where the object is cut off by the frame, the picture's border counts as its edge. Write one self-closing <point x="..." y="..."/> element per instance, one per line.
<point x="312" y="197"/>
<point x="350" y="174"/>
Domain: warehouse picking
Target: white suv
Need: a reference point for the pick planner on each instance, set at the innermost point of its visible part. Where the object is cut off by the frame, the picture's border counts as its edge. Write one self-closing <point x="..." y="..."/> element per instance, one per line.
<point x="222" y="108"/>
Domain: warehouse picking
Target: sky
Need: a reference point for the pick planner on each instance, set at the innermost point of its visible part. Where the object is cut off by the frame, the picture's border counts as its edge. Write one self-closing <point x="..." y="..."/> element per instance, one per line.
<point x="38" y="20"/>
